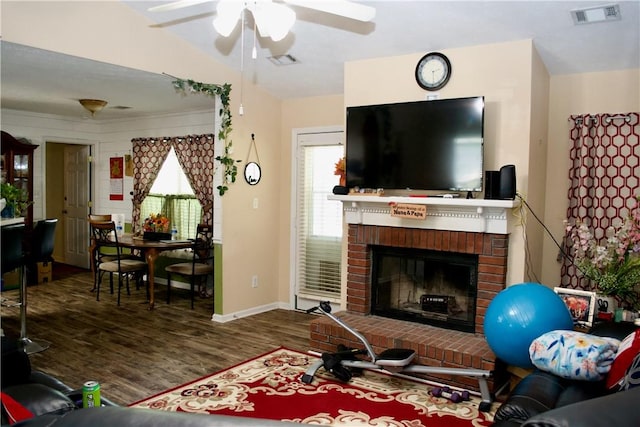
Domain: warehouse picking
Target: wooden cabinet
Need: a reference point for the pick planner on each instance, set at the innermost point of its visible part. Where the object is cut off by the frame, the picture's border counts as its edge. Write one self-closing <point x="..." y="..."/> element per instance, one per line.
<point x="17" y="169"/>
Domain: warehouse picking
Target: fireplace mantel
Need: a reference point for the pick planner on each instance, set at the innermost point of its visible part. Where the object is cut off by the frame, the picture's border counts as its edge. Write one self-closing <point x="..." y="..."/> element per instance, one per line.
<point x="453" y="214"/>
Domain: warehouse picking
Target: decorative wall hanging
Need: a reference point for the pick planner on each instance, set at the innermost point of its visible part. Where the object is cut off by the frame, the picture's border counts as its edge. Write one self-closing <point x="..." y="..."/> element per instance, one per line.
<point x="252" y="170"/>
<point x="223" y="91"/>
<point x="116" y="176"/>
<point x="128" y="165"/>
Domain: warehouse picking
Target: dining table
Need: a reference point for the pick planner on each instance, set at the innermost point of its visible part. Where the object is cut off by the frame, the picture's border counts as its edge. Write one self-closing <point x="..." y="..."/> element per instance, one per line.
<point x="150" y="250"/>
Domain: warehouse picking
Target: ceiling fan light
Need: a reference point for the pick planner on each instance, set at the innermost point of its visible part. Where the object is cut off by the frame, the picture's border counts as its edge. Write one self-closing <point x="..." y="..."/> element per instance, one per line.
<point x="228" y="12"/>
<point x="262" y="18"/>
<point x="280" y="22"/>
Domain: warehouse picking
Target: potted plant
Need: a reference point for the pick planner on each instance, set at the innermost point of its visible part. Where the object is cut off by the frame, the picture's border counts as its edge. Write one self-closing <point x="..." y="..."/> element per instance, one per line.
<point x="15" y="199"/>
<point x="613" y="265"/>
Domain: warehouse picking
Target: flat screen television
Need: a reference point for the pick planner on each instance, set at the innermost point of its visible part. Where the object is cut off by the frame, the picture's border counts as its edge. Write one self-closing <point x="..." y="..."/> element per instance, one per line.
<point x="423" y="145"/>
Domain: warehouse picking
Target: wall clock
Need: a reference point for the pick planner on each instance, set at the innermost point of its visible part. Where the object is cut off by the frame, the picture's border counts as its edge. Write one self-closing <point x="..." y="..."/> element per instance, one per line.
<point x="433" y="71"/>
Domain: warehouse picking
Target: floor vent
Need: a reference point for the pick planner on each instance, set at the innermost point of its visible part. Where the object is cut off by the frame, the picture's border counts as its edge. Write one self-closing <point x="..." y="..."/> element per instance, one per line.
<point x="590" y="15"/>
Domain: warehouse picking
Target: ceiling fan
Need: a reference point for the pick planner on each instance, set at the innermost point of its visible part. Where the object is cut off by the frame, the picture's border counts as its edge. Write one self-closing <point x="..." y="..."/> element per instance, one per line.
<point x="272" y="18"/>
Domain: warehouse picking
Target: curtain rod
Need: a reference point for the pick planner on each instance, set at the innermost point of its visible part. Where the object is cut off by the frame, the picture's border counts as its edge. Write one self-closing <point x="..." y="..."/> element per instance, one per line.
<point x="608" y="119"/>
<point x="625" y="117"/>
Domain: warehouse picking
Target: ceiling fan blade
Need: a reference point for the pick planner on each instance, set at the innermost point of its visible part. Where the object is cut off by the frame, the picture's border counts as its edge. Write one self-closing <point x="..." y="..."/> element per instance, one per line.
<point x="348" y="9"/>
<point x="176" y="5"/>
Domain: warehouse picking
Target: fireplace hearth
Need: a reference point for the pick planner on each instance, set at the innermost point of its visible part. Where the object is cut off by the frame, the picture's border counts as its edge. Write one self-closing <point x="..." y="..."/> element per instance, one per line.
<point x="425" y="286"/>
<point x="475" y="228"/>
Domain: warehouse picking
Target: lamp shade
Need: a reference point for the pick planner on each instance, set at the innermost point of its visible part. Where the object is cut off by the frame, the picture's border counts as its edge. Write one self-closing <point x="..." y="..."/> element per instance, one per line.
<point x="93" y="105"/>
<point x="228" y="13"/>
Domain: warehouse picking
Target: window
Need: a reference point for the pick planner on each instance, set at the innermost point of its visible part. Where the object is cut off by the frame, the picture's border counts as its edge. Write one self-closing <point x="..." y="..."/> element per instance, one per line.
<point x="319" y="221"/>
<point x="171" y="195"/>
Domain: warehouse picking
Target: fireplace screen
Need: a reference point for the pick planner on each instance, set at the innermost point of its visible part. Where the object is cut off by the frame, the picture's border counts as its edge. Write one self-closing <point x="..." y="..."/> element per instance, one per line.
<point x="433" y="287"/>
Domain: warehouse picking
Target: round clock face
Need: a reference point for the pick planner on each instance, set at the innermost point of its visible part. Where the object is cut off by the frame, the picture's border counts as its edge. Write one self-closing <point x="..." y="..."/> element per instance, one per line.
<point x="433" y="71"/>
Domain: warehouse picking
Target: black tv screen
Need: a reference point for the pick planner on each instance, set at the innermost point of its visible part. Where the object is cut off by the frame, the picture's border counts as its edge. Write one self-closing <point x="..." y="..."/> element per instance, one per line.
<point x="423" y="145"/>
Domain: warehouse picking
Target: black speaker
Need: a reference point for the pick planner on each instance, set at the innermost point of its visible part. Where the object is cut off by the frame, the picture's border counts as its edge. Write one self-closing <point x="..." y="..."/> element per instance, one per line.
<point x="340" y="190"/>
<point x="508" y="182"/>
<point x="492" y="185"/>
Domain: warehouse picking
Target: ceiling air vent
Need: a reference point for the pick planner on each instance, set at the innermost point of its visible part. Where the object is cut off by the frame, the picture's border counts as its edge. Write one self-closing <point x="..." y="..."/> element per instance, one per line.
<point x="610" y="12"/>
<point x="283" y="59"/>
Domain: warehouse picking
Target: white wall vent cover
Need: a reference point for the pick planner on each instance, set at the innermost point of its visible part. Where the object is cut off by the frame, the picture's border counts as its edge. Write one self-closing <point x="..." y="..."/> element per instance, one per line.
<point x="283" y="59"/>
<point x="610" y="12"/>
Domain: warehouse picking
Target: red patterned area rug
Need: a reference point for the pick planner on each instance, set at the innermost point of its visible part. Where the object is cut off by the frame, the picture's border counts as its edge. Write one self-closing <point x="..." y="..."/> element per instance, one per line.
<point x="269" y="386"/>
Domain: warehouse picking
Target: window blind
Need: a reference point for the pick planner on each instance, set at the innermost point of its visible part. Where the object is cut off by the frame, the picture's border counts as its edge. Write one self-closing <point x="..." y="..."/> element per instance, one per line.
<point x="319" y="231"/>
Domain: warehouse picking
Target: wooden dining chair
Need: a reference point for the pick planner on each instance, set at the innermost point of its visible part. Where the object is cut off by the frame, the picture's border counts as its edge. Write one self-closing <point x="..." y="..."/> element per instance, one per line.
<point x="200" y="266"/>
<point x="98" y="255"/>
<point x="99" y="217"/>
<point x="104" y="235"/>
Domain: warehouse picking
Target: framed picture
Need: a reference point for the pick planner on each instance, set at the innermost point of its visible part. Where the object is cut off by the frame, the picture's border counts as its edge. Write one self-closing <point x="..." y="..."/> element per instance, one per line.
<point x="581" y="304"/>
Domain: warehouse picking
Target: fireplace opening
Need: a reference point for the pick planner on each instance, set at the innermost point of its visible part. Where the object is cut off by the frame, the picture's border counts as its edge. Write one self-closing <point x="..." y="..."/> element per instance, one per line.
<point x="432" y="287"/>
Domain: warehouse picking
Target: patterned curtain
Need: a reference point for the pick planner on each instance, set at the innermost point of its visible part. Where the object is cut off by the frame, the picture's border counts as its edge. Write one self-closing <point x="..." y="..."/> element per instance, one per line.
<point x="195" y="155"/>
<point x="148" y="156"/>
<point x="604" y="174"/>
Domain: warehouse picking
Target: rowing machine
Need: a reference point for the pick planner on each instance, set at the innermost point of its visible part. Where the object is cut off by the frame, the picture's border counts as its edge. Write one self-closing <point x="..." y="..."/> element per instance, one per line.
<point x="393" y="361"/>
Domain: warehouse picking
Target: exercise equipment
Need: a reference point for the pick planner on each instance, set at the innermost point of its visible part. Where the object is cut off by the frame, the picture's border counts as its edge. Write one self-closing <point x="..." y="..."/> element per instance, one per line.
<point x="447" y="393"/>
<point x="343" y="363"/>
<point x="518" y="315"/>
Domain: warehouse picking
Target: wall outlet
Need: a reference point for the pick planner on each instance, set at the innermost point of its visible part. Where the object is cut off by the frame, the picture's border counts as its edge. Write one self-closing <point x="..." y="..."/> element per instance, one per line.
<point x="254" y="282"/>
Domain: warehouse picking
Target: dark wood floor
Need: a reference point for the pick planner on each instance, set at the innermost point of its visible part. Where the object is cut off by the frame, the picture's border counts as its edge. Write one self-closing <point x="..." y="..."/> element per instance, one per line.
<point x="133" y="352"/>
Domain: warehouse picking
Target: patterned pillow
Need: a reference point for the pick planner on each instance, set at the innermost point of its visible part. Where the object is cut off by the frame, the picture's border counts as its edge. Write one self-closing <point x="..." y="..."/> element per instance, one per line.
<point x="628" y="350"/>
<point x="574" y="355"/>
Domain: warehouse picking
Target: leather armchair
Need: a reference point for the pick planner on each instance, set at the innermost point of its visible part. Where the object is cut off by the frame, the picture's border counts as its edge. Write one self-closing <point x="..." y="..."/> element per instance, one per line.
<point x="544" y="399"/>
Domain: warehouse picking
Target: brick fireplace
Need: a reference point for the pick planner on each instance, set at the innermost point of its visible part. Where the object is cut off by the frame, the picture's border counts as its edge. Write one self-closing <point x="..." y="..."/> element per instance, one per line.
<point x="476" y="227"/>
<point x="490" y="248"/>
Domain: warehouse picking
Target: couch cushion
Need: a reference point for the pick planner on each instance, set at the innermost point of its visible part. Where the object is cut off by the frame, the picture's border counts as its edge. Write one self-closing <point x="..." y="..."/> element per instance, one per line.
<point x="628" y="350"/>
<point x="40" y="399"/>
<point x="538" y="392"/>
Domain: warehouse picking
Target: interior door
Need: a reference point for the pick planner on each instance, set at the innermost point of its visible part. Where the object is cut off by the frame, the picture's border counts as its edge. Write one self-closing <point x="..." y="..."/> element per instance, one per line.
<point x="76" y="204"/>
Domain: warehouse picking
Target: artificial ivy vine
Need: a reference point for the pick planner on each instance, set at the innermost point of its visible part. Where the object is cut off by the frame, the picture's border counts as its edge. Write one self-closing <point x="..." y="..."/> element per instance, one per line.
<point x="230" y="167"/>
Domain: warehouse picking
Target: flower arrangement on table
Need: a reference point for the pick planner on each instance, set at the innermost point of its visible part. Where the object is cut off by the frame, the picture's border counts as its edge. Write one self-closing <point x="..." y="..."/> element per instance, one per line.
<point x="340" y="170"/>
<point x="614" y="267"/>
<point x="156" y="223"/>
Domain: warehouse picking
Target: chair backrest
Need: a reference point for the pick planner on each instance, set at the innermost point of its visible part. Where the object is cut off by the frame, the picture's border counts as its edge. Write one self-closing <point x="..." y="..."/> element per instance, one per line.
<point x="203" y="244"/>
<point x="43" y="240"/>
<point x="104" y="234"/>
<point x="12" y="256"/>
<point x="96" y="217"/>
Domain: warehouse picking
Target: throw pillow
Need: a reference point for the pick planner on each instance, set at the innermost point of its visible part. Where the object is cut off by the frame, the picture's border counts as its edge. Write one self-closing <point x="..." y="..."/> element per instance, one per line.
<point x="13" y="410"/>
<point x="629" y="348"/>
<point x="573" y="355"/>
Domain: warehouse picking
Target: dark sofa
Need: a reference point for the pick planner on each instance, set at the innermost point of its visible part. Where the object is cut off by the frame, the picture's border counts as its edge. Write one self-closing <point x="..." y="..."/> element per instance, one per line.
<point x="544" y="399"/>
<point x="55" y="404"/>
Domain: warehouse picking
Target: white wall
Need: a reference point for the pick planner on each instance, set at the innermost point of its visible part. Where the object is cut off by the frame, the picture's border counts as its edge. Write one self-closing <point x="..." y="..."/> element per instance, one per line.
<point x="109" y="139"/>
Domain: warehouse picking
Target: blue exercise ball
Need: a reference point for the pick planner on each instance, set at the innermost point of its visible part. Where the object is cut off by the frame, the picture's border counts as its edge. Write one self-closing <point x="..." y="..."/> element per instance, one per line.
<point x="518" y="315"/>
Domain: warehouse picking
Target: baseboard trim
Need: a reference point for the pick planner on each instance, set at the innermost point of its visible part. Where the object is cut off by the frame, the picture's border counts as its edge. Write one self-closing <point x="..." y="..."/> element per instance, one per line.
<point x="224" y="318"/>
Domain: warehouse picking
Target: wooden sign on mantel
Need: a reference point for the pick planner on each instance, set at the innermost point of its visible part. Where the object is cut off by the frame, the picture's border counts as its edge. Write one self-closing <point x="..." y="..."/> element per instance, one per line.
<point x="408" y="210"/>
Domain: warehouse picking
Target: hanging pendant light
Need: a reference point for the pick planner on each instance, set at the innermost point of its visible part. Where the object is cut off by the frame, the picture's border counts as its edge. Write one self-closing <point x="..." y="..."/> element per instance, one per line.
<point x="93" y="105"/>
